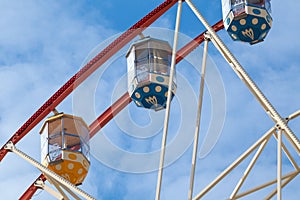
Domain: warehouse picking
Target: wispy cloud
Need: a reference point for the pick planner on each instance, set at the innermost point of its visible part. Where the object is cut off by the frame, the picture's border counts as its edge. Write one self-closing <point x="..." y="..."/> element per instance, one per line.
<point x="41" y="46"/>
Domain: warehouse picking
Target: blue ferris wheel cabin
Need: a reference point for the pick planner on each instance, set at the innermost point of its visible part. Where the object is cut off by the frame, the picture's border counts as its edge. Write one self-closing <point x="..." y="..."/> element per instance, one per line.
<point x="148" y="64"/>
<point x="247" y="20"/>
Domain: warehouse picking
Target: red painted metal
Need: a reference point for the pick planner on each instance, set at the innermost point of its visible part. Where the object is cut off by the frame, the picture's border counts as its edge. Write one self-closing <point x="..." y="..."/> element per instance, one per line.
<point x="188" y="48"/>
<point x="86" y="71"/>
<point x="109" y="113"/>
<point x="32" y="189"/>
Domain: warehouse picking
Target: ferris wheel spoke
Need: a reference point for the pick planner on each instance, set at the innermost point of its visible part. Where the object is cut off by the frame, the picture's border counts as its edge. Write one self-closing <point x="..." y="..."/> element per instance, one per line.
<point x="198" y="119"/>
<point x="167" y="113"/>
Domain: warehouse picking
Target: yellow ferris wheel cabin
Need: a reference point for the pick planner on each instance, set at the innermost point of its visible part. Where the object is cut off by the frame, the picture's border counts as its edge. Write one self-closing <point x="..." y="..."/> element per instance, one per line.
<point x="65" y="147"/>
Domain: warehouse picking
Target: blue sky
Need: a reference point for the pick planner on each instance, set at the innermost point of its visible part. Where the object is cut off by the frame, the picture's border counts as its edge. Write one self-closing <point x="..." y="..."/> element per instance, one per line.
<point x="43" y="44"/>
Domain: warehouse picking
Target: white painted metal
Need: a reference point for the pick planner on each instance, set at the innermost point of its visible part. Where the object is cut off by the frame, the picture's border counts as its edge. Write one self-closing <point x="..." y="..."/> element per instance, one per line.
<point x="287" y="176"/>
<point x="293" y="115"/>
<point x="56" y="185"/>
<point x="288" y="154"/>
<point x="249" y="168"/>
<point x="70" y="192"/>
<point x="286" y="181"/>
<point x="11" y="147"/>
<point x="280" y="123"/>
<point x="266" y="136"/>
<point x="196" y="136"/>
<point x="279" y="163"/>
<point x="237" y="67"/>
<point x="40" y="184"/>
<point x="168" y="104"/>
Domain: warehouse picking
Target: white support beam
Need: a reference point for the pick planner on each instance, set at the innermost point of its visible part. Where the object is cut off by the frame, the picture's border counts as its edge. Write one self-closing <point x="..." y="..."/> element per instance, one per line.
<point x="288" y="154"/>
<point x="11" y="147"/>
<point x="249" y="168"/>
<point x="197" y="129"/>
<point x="235" y="163"/>
<point x="243" y="75"/>
<point x="57" y="186"/>
<point x="284" y="183"/>
<point x="279" y="164"/>
<point x="40" y="184"/>
<point x="168" y="104"/>
<point x="71" y="192"/>
<point x="293" y="115"/>
<point x="262" y="186"/>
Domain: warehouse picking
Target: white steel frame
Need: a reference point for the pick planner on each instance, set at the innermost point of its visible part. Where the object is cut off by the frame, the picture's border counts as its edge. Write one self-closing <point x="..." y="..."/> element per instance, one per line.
<point x="53" y="178"/>
<point x="168" y="104"/>
<point x="280" y="127"/>
<point x="197" y="129"/>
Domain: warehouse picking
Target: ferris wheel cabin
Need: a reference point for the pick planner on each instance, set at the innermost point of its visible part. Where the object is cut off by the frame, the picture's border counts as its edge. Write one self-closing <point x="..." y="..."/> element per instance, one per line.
<point x="148" y="64"/>
<point x="247" y="20"/>
<point x="65" y="147"/>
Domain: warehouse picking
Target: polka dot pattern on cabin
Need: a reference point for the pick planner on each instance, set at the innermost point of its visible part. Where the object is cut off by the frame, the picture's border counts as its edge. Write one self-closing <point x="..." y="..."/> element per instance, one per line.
<point x="250" y="25"/>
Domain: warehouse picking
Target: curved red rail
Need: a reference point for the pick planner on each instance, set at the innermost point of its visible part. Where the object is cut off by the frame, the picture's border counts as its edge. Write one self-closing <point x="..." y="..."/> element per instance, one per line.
<point x="86" y="71"/>
<point x="124" y="100"/>
<point x="32" y="189"/>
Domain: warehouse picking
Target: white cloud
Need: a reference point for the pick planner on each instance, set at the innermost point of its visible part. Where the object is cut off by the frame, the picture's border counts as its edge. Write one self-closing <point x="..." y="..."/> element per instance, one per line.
<point x="41" y="46"/>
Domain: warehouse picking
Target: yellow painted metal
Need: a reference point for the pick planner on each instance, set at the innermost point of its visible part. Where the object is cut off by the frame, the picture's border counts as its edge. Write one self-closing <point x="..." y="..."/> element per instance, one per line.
<point x="73" y="166"/>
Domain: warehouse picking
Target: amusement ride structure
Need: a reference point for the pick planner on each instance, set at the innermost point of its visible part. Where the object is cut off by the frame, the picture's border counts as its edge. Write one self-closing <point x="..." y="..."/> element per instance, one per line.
<point x="152" y="85"/>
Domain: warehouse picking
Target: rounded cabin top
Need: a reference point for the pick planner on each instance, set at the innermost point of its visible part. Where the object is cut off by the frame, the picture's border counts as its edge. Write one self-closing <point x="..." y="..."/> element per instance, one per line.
<point x="149" y="43"/>
<point x="63" y="115"/>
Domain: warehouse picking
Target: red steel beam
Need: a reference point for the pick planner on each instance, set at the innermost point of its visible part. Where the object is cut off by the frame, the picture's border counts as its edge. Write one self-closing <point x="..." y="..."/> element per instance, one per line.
<point x="109" y="113"/>
<point x="125" y="99"/>
<point x="86" y="71"/>
<point x="188" y="48"/>
<point x="32" y="189"/>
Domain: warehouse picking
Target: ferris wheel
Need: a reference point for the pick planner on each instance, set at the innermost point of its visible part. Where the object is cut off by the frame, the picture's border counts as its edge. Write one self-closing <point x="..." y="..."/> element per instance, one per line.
<point x="152" y="85"/>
